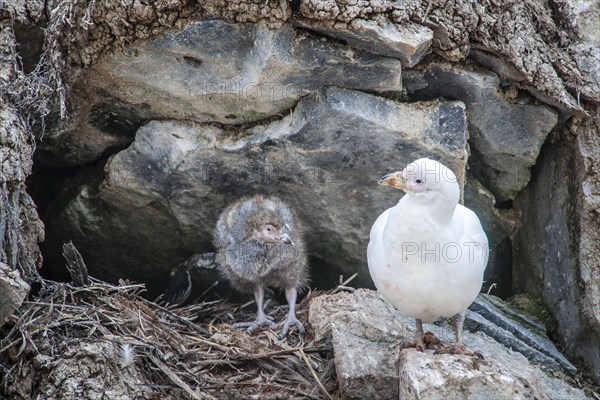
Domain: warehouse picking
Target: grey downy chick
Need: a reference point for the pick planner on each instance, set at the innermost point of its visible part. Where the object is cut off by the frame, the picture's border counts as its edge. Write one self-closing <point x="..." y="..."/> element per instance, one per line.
<point x="259" y="243"/>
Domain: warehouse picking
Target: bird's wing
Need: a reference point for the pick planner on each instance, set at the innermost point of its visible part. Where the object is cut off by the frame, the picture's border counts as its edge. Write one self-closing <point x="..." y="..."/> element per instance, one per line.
<point x="375" y="250"/>
<point x="223" y="228"/>
<point x="472" y="231"/>
<point x="472" y="236"/>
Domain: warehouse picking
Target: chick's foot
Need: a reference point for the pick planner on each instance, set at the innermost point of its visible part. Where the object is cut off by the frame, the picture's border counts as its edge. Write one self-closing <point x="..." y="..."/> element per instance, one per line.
<point x="251" y="327"/>
<point x="290" y="321"/>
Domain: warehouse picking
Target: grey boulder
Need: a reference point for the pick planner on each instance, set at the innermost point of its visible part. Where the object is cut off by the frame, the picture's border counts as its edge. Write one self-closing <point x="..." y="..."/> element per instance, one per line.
<point x="162" y="196"/>
<point x="365" y="331"/>
<point x="211" y="71"/>
<point x="505" y="136"/>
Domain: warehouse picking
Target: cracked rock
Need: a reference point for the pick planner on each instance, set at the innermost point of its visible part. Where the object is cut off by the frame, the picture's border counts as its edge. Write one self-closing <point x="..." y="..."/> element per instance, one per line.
<point x="364" y="332"/>
<point x="406" y="42"/>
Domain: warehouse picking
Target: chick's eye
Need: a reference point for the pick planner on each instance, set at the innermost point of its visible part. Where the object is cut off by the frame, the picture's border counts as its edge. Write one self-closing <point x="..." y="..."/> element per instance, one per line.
<point x="419" y="181"/>
<point x="268" y="229"/>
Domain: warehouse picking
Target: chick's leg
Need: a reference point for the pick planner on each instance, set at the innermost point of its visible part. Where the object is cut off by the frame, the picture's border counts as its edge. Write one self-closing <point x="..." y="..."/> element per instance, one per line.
<point x="291" y="294"/>
<point x="262" y="319"/>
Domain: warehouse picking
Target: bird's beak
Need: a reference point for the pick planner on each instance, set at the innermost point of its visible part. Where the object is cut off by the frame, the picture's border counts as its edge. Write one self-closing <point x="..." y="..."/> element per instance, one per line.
<point x="395" y="179"/>
<point x="285" y="238"/>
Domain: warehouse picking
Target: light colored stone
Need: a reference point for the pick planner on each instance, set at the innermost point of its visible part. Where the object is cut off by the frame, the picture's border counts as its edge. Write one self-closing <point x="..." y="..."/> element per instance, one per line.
<point x="13" y="290"/>
<point x="584" y="15"/>
<point x="408" y="42"/>
<point x="364" y="331"/>
<point x="425" y="376"/>
<point x="162" y="195"/>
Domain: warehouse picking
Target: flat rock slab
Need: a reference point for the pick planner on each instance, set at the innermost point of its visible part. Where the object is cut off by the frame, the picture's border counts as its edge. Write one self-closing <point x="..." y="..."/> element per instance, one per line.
<point x="407" y="42"/>
<point x="365" y="331"/>
<point x="228" y="73"/>
<point x="516" y="331"/>
<point x="162" y="196"/>
<point x="211" y="71"/>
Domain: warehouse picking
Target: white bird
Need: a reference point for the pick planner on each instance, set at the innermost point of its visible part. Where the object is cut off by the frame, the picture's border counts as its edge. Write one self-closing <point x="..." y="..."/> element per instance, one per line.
<point x="427" y="254"/>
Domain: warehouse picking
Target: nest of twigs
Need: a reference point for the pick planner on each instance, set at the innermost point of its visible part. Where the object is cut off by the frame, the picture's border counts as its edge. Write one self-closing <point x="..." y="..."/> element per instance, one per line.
<point x="101" y="340"/>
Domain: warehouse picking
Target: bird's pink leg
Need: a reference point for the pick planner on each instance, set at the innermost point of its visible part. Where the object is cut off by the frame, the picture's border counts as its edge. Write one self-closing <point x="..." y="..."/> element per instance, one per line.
<point x="262" y="319"/>
<point x="422" y="341"/>
<point x="418" y="341"/>
<point x="291" y="294"/>
<point x="459" y="320"/>
<point x="418" y="330"/>
<point x="458" y="347"/>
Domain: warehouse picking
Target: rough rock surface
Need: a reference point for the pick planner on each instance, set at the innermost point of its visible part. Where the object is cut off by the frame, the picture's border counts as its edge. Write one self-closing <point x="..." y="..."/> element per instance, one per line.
<point x="556" y="253"/>
<point x="21" y="11"/>
<point x="548" y="66"/>
<point x="364" y="331"/>
<point x="82" y="369"/>
<point x="210" y="71"/>
<point x="162" y="195"/>
<point x="550" y="50"/>
<point x="517" y="331"/>
<point x="430" y="376"/>
<point x="407" y="42"/>
<point x="505" y="136"/>
<point x="13" y="290"/>
<point x="583" y="18"/>
<point x="20" y="226"/>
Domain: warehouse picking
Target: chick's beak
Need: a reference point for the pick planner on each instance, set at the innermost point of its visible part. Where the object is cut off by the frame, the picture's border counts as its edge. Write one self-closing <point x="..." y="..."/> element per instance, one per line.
<point x="395" y="179"/>
<point x="285" y="238"/>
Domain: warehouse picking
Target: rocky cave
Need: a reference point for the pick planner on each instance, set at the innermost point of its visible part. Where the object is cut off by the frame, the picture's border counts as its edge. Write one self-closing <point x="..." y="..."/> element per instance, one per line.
<point x="127" y="127"/>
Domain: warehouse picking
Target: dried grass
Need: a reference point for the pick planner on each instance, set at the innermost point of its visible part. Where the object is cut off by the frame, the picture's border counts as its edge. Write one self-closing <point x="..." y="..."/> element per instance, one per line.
<point x="188" y="352"/>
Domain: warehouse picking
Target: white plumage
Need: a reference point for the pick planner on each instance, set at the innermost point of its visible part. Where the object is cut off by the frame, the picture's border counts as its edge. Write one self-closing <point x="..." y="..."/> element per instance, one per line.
<point x="427" y="254"/>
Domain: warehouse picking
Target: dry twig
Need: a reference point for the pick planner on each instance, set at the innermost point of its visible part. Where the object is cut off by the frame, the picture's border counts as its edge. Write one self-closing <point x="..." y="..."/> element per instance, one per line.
<point x="194" y="350"/>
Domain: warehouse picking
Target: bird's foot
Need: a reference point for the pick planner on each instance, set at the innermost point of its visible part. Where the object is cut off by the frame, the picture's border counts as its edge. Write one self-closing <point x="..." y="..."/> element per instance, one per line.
<point x="417" y="345"/>
<point x="290" y="321"/>
<point x="428" y="342"/>
<point x="458" y="348"/>
<point x="251" y="327"/>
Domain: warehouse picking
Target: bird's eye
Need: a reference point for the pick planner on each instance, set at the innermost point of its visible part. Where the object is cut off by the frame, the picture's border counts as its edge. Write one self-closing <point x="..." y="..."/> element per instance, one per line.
<point x="419" y="181"/>
<point x="268" y="229"/>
